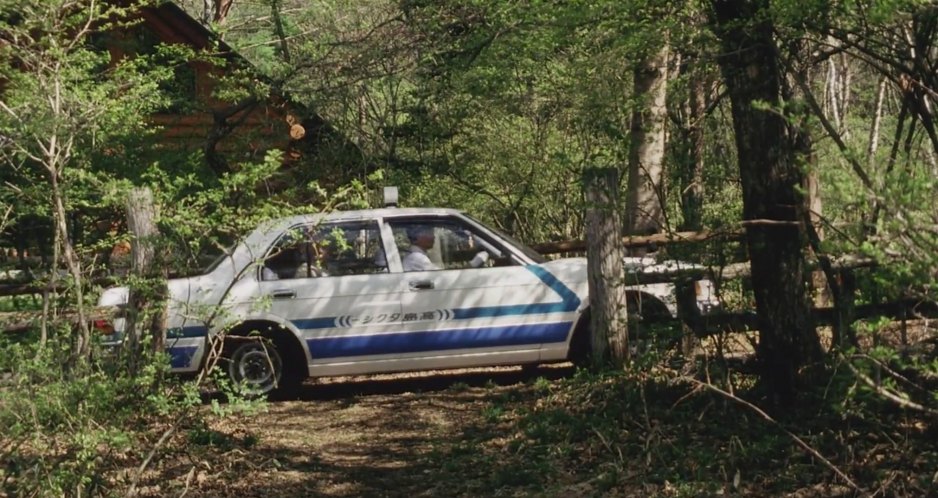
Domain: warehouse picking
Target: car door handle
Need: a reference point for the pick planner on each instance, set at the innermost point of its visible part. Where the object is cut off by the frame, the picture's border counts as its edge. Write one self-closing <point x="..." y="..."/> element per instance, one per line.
<point x="283" y="294"/>
<point x="421" y="284"/>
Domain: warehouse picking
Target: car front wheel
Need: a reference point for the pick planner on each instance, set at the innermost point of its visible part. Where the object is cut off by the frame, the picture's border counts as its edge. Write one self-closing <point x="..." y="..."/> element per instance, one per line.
<point x="255" y="366"/>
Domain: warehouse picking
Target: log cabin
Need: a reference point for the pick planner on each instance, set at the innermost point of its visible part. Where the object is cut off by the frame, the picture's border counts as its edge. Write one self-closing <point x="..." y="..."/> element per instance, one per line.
<point x="230" y="132"/>
<point x="223" y="133"/>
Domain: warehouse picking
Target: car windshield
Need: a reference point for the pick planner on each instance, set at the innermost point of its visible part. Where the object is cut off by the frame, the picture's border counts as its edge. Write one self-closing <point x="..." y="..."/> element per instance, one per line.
<point x="530" y="253"/>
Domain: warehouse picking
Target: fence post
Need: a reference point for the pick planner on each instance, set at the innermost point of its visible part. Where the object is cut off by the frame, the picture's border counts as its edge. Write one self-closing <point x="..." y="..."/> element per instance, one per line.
<point x="691" y="321"/>
<point x="608" y="320"/>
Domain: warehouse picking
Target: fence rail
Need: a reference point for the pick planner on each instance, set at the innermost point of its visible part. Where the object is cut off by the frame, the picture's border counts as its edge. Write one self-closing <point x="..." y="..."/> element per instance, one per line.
<point x="680" y="275"/>
<point x="635" y="241"/>
<point x="23" y="321"/>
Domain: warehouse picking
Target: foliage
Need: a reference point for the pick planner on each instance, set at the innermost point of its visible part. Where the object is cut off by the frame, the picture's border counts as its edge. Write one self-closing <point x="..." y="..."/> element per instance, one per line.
<point x="74" y="433"/>
<point x="486" y="106"/>
<point x="75" y="138"/>
<point x="66" y="107"/>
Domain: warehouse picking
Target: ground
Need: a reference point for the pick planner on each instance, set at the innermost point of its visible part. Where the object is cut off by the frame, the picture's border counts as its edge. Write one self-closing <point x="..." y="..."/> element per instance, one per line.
<point x="558" y="431"/>
<point x="349" y="436"/>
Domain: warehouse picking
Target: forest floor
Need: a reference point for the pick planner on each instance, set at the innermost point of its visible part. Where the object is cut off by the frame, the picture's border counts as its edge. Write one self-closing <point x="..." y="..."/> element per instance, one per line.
<point x="552" y="431"/>
<point x="351" y="436"/>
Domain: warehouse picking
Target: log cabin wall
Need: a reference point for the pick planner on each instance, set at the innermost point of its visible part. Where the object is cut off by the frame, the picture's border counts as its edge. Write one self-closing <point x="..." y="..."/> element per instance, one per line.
<point x="262" y="126"/>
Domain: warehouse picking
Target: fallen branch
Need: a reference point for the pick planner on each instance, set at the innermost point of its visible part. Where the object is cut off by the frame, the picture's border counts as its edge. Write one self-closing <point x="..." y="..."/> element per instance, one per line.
<point x="132" y="491"/>
<point x="886" y="393"/>
<point x="800" y="442"/>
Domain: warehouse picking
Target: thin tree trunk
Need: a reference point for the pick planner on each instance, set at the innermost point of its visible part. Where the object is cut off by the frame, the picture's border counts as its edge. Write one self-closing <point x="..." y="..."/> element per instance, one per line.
<point x="873" y="145"/>
<point x="832" y="91"/>
<point x="146" y="313"/>
<point x="644" y="208"/>
<point x="815" y="209"/>
<point x="609" y="322"/>
<point x="275" y="8"/>
<point x="691" y="173"/>
<point x="220" y="13"/>
<point x="82" y="343"/>
<point x="837" y="89"/>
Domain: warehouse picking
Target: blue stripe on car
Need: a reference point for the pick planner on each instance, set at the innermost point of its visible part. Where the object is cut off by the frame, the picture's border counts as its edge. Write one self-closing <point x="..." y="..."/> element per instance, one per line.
<point x="441" y="340"/>
<point x="316" y="323"/>
<point x="187" y="332"/>
<point x="569" y="302"/>
<point x="569" y="297"/>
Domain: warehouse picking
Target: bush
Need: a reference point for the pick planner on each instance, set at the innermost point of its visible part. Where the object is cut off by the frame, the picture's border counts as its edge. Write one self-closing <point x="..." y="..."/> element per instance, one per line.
<point x="82" y="431"/>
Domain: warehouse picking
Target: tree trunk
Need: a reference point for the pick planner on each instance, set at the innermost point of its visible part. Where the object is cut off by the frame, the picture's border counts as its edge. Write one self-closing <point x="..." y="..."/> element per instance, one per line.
<point x="609" y="323"/>
<point x="220" y="11"/>
<point x="691" y="146"/>
<point x="815" y="206"/>
<point x="873" y="146"/>
<point x="82" y="344"/>
<point x="275" y="12"/>
<point x="644" y="208"/>
<point x="146" y="313"/>
<point x="771" y="180"/>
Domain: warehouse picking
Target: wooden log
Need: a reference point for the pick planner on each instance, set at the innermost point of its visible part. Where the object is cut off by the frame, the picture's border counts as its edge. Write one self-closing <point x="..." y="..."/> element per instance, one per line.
<point x="729" y="272"/>
<point x="641" y="240"/>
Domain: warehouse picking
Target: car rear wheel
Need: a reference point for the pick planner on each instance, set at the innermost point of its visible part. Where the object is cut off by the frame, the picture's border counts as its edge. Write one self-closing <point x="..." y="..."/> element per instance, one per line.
<point x="255" y="367"/>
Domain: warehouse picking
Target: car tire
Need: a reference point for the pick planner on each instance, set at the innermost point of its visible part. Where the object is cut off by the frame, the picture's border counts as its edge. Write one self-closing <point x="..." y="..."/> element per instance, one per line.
<point x="255" y="367"/>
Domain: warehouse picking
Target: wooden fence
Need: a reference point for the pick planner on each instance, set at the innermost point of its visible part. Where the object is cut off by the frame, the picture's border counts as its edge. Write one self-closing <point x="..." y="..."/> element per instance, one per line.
<point x="682" y="278"/>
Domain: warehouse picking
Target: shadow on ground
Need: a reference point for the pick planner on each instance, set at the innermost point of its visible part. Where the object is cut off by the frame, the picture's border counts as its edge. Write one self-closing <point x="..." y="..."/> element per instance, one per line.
<point x="382" y="436"/>
<point x="420" y="382"/>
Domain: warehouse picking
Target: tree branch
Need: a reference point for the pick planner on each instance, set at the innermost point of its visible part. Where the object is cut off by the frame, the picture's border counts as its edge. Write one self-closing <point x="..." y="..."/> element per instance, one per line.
<point x="800" y="442"/>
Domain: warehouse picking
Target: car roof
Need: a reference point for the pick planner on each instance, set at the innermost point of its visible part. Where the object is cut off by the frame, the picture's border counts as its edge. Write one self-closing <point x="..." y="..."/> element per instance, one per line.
<point x="365" y="214"/>
<point x="281" y="224"/>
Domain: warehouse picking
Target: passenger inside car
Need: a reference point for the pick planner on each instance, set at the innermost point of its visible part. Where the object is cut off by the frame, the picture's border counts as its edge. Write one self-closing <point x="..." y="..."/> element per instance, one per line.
<point x="421" y="240"/>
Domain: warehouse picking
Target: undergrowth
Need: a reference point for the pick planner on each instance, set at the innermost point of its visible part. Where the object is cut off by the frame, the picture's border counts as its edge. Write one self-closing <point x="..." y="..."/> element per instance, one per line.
<point x="638" y="433"/>
<point x="90" y="429"/>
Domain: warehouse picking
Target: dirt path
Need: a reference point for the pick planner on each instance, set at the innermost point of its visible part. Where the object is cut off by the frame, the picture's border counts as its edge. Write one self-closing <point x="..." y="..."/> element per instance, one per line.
<point x="359" y="436"/>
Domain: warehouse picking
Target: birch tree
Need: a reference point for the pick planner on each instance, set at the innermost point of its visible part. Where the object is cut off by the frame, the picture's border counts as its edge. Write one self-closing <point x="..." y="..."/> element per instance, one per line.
<point x="62" y="102"/>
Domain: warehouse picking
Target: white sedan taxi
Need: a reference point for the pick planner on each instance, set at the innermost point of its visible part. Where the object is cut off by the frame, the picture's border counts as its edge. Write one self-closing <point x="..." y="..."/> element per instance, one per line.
<point x="381" y="290"/>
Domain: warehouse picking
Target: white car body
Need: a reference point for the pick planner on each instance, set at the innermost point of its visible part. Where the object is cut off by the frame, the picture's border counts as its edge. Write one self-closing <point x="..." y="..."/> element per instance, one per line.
<point x="524" y="310"/>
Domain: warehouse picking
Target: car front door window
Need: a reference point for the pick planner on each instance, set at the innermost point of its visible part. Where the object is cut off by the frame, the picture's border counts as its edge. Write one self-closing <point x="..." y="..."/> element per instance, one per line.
<point x="441" y="245"/>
